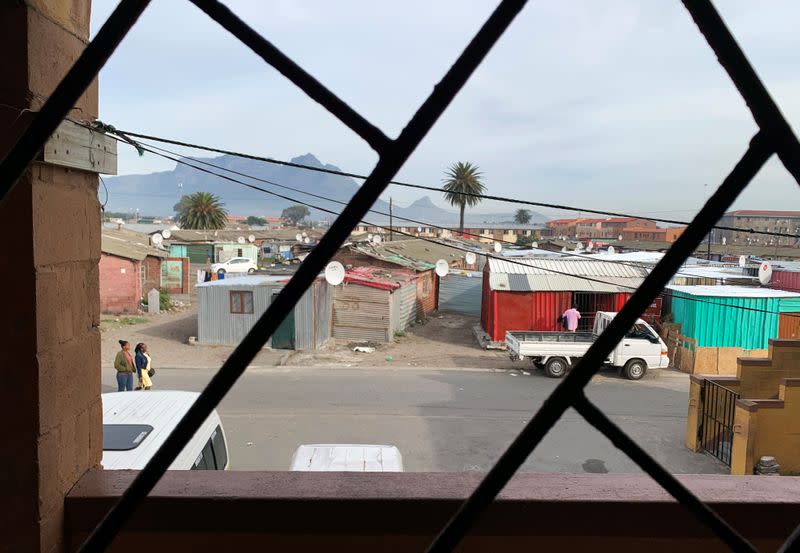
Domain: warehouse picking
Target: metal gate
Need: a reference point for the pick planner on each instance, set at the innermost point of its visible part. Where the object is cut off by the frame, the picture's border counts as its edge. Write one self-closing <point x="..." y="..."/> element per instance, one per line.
<point x="716" y="420"/>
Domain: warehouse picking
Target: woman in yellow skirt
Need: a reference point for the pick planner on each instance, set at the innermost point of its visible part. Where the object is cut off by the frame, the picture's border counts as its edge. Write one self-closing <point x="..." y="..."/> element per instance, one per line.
<point x="143" y="367"/>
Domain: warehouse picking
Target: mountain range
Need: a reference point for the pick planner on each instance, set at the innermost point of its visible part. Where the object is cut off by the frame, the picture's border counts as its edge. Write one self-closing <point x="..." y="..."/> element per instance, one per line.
<point x="156" y="193"/>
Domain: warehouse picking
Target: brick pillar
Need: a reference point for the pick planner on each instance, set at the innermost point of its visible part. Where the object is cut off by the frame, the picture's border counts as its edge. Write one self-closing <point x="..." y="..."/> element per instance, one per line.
<point x="49" y="338"/>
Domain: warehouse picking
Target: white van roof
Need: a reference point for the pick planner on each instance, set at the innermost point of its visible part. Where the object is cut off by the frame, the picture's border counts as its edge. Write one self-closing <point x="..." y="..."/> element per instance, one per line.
<point x="347" y="458"/>
<point x="159" y="409"/>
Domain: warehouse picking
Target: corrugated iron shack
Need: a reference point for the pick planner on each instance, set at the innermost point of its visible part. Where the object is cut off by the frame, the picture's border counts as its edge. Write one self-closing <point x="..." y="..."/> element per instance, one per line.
<point x="227" y="309"/>
<point x="731" y="316"/>
<point x="374" y="303"/>
<point x="531" y="294"/>
<point x="419" y="256"/>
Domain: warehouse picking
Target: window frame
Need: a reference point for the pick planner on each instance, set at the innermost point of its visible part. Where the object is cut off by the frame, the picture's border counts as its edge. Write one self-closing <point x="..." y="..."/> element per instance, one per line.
<point x="242" y="295"/>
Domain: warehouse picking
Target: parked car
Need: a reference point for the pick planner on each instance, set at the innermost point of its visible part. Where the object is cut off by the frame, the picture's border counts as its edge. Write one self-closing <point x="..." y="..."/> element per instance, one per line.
<point x="639" y="350"/>
<point x="135" y="425"/>
<point x="236" y="265"/>
<point x="347" y="458"/>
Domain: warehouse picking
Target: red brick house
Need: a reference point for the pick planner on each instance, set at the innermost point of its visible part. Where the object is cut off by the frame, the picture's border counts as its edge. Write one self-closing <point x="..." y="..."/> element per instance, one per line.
<point x="129" y="268"/>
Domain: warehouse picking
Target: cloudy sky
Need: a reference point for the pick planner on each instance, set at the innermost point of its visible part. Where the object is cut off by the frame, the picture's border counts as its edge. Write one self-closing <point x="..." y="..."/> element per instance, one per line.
<point x="611" y="105"/>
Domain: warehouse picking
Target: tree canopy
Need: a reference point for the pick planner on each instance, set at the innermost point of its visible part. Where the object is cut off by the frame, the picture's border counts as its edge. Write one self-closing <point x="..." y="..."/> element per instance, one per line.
<point x="201" y="211"/>
<point x="463" y="186"/>
<point x="255" y="221"/>
<point x="295" y="213"/>
<point x="522" y="217"/>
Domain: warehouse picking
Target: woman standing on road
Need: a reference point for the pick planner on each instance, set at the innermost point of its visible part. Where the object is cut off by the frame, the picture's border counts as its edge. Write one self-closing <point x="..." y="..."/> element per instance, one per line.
<point x="143" y="367"/>
<point x="123" y="362"/>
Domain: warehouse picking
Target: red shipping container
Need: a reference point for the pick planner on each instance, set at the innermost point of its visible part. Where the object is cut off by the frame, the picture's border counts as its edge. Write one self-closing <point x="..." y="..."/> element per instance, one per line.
<point x="785" y="280"/>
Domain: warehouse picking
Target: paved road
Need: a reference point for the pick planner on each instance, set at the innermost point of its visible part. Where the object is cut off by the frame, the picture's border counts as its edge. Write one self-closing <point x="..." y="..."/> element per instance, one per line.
<point x="441" y="420"/>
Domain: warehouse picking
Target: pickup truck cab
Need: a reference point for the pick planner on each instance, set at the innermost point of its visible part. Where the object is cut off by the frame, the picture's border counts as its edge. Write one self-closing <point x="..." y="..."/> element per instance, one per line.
<point x="641" y="348"/>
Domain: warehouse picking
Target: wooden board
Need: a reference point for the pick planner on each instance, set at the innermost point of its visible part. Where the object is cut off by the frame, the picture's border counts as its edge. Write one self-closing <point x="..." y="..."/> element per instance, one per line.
<point x="81" y="148"/>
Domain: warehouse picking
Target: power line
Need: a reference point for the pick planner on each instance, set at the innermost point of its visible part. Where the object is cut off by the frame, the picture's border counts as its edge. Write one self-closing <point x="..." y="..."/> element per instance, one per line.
<point x="461" y="248"/>
<point x="439" y="190"/>
<point x="172" y="153"/>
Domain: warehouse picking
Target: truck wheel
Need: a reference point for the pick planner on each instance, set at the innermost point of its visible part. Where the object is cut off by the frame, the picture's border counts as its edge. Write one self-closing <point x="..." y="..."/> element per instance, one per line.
<point x="250" y="271"/>
<point x="634" y="369"/>
<point x="556" y="367"/>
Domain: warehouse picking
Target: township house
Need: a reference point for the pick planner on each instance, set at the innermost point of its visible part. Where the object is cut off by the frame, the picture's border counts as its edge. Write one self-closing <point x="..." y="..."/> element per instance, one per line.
<point x="129" y="268"/>
<point x="414" y="255"/>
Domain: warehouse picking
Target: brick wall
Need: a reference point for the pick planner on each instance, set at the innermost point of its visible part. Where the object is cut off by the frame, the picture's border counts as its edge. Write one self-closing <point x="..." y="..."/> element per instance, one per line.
<point x="49" y="332"/>
<point x="120" y="287"/>
<point x="152" y="274"/>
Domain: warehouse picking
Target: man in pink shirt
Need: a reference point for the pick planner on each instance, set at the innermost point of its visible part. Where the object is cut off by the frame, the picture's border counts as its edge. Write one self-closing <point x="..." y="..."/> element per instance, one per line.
<point x="572" y="316"/>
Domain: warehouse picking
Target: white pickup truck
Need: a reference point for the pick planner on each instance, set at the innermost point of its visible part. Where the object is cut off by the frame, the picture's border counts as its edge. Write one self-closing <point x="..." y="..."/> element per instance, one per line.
<point x="639" y="350"/>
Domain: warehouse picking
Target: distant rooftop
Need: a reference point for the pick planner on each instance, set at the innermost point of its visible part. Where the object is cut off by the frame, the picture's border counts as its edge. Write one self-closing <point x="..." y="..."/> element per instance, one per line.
<point x="733" y="291"/>
<point x="762" y="213"/>
<point x="248" y="280"/>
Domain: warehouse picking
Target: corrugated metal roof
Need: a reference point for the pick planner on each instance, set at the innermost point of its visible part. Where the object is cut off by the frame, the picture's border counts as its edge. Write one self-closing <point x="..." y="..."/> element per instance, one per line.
<point x="576" y="267"/>
<point x="249" y="280"/>
<point x="420" y="255"/>
<point x="129" y="245"/>
<point x="559" y="283"/>
<point x="227" y="235"/>
<point x="733" y="291"/>
<point x="378" y="277"/>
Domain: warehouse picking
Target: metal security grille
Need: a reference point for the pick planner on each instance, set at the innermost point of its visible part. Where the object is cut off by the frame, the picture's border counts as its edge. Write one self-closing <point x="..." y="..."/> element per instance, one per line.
<point x="774" y="136"/>
<point x="716" y="420"/>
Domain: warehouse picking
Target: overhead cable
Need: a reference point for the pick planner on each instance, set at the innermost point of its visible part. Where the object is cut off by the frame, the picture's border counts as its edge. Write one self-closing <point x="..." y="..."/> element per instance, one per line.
<point x="440" y="190"/>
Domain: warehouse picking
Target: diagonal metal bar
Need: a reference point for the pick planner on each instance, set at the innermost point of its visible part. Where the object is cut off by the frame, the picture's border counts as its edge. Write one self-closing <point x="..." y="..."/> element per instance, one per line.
<point x="764" y="109"/>
<point x="68" y="91"/>
<point x="554" y="406"/>
<point x="387" y="166"/>
<point x="289" y="69"/>
<point x="685" y="497"/>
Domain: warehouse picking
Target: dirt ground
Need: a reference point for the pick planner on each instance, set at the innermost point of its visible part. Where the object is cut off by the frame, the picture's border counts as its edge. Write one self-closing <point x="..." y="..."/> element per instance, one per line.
<point x="167" y="337"/>
<point x="445" y="340"/>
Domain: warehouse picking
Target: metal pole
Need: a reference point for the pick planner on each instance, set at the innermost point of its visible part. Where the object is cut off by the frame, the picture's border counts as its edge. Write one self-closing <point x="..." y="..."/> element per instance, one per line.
<point x="391" y="225"/>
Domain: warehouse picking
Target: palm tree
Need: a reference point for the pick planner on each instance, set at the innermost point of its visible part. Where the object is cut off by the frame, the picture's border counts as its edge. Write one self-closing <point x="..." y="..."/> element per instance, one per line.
<point x="202" y="211"/>
<point x="522" y="217"/>
<point x="463" y="187"/>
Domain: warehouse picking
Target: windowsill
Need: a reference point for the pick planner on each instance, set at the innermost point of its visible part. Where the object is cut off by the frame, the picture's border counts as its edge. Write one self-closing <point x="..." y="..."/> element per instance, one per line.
<point x="568" y="508"/>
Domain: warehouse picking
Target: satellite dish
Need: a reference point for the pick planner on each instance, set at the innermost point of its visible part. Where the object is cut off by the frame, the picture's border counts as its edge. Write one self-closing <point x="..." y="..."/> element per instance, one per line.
<point x="304" y="235"/>
<point x="619" y="238"/>
<point x="419" y="229"/>
<point x="564" y="249"/>
<point x="742" y="261"/>
<point x="442" y="268"/>
<point x="470" y="258"/>
<point x="534" y="245"/>
<point x="498" y="247"/>
<point x="251" y="238"/>
<point x="166" y="233"/>
<point x="724" y="240"/>
<point x="241" y="240"/>
<point x="306" y="240"/>
<point x="765" y="272"/>
<point x="157" y="239"/>
<point x="579" y="247"/>
<point x="298" y="237"/>
<point x="376" y="239"/>
<point x="334" y="273"/>
<point x="611" y="250"/>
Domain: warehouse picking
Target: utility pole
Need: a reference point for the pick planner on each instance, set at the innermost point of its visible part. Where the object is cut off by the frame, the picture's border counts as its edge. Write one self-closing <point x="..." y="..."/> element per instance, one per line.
<point x="708" y="256"/>
<point x="391" y="225"/>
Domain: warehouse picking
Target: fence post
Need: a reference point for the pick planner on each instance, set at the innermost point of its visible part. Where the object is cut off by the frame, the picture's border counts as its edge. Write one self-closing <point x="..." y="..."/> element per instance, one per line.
<point x="693" y="418"/>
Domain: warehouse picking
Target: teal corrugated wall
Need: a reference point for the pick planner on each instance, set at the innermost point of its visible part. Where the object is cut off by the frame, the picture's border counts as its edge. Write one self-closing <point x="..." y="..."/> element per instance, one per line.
<point x="177" y="250"/>
<point x="716" y="321"/>
<point x="790" y="305"/>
